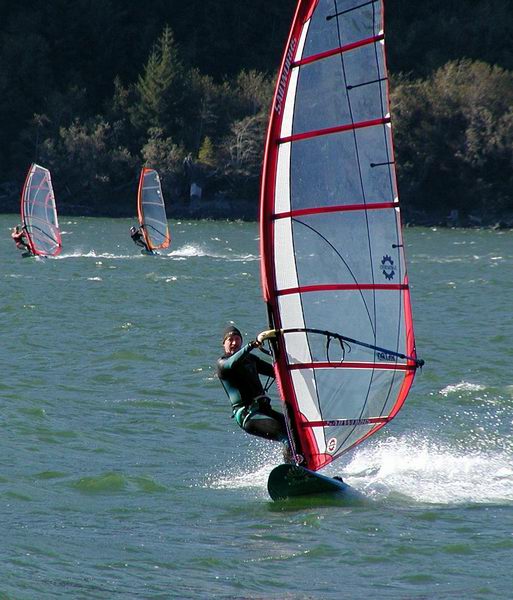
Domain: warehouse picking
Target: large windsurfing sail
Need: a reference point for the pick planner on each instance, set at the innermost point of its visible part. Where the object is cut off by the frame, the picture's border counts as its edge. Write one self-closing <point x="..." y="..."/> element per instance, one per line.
<point x="39" y="213"/>
<point x="333" y="268"/>
<point x="152" y="211"/>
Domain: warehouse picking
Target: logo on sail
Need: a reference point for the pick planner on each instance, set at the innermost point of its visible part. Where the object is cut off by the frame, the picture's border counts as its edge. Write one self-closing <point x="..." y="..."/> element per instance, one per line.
<point x="331" y="446"/>
<point x="282" y="86"/>
<point x="388" y="267"/>
<point x="387" y="357"/>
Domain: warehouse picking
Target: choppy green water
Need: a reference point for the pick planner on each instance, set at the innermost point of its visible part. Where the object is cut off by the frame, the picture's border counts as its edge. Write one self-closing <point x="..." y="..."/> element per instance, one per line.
<point x="122" y="475"/>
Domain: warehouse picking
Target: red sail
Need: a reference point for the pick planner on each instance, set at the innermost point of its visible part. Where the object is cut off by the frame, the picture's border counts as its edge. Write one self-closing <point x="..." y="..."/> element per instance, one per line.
<point x="39" y="213"/>
<point x="333" y="267"/>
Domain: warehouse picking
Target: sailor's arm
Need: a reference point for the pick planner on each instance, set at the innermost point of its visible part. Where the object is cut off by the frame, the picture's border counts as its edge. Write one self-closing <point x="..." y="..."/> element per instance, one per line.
<point x="228" y="363"/>
<point x="264" y="367"/>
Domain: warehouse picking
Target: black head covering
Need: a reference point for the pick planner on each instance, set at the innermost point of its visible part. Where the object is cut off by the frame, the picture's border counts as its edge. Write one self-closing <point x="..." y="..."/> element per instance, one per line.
<point x="231" y="330"/>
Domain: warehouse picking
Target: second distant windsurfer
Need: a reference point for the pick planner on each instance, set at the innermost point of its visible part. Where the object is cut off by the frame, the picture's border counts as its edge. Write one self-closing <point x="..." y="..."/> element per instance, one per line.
<point x="138" y="238"/>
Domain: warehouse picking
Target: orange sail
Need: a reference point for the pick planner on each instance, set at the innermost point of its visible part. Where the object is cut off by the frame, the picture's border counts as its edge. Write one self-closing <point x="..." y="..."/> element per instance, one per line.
<point x="152" y="211"/>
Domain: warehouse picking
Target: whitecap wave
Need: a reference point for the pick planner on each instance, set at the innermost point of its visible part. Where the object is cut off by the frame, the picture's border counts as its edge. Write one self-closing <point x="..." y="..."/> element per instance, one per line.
<point x="94" y="254"/>
<point x="252" y="472"/>
<point x="463" y="386"/>
<point x="250" y="479"/>
<point x="429" y="472"/>
<point x="196" y="250"/>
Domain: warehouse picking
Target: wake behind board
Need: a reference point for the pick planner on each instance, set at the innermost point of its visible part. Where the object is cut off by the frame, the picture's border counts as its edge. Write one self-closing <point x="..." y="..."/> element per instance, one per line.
<point x="289" y="481"/>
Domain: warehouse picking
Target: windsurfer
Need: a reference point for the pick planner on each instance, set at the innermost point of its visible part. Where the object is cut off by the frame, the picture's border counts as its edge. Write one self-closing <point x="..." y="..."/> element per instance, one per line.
<point x="18" y="235"/>
<point x="138" y="238"/>
<point x="238" y="370"/>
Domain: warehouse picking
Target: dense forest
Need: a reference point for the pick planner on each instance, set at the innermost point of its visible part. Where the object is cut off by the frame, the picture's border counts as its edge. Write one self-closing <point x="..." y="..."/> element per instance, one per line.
<point x="94" y="89"/>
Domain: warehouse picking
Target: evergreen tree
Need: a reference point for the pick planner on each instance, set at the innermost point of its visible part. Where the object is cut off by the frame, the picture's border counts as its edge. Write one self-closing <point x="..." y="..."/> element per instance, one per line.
<point x="161" y="90"/>
<point x="206" y="154"/>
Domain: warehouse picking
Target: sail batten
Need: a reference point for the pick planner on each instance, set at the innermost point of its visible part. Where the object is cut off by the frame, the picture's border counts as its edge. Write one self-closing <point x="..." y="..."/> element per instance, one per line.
<point x="352" y="365"/>
<point x="337" y="208"/>
<point x="341" y="50"/>
<point x="331" y="240"/>
<point x="330" y="287"/>
<point x="331" y="130"/>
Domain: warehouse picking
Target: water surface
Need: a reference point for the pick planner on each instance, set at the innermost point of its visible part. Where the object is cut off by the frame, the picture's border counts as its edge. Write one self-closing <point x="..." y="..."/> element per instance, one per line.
<point x="123" y="476"/>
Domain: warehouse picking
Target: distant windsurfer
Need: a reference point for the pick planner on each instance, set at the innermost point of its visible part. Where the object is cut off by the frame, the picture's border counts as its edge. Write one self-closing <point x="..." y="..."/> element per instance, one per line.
<point x="238" y="370"/>
<point x="19" y="237"/>
<point x="138" y="238"/>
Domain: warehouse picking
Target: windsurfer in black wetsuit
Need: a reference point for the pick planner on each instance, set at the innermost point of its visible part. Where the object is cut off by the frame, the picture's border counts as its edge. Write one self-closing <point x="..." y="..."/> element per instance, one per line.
<point x="138" y="238"/>
<point x="18" y="235"/>
<point x="238" y="370"/>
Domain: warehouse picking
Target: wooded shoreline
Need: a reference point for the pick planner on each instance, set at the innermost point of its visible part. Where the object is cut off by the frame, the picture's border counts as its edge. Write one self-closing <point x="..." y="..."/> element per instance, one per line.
<point x="93" y="105"/>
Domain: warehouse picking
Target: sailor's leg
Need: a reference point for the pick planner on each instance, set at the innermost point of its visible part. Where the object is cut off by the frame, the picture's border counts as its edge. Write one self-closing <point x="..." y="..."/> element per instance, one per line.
<point x="263" y="426"/>
<point x="270" y="428"/>
<point x="283" y="436"/>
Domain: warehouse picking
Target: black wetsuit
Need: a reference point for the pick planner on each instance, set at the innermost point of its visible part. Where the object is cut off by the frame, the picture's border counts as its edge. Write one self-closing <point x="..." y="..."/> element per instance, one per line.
<point x="239" y="375"/>
<point x="138" y="238"/>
